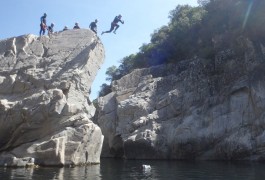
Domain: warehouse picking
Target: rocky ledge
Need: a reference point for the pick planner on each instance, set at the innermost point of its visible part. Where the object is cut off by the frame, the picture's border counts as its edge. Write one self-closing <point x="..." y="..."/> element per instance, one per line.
<point x="45" y="111"/>
<point x="196" y="109"/>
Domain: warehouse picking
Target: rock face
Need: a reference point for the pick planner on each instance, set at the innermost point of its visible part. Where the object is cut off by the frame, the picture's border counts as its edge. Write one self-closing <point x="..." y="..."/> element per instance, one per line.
<point x="45" y="111"/>
<point x="196" y="109"/>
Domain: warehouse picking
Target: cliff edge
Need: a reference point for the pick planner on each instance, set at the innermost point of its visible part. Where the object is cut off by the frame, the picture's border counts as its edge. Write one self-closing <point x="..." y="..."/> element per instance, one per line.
<point x="45" y="110"/>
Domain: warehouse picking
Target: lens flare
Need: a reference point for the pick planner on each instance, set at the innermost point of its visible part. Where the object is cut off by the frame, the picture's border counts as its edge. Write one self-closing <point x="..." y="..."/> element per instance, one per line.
<point x="247" y="14"/>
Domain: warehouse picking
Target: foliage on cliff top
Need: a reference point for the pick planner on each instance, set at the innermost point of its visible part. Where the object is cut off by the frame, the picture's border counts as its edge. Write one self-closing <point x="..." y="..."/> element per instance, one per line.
<point x="202" y="31"/>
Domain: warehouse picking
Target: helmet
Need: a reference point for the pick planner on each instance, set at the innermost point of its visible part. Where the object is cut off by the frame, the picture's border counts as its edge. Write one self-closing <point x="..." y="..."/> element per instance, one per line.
<point x="52" y="24"/>
<point x="96" y="20"/>
<point x="45" y="14"/>
<point x="76" y="23"/>
<point x="119" y="15"/>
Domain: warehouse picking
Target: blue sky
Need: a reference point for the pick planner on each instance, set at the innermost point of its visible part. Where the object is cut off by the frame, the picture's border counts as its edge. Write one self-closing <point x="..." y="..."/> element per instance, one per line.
<point x="142" y="17"/>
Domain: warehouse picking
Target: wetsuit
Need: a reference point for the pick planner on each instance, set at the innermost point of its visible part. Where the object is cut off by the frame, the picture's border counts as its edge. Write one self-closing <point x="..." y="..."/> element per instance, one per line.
<point x="114" y="24"/>
<point x="93" y="27"/>
<point x="42" y="25"/>
<point x="50" y="30"/>
<point x="76" y="27"/>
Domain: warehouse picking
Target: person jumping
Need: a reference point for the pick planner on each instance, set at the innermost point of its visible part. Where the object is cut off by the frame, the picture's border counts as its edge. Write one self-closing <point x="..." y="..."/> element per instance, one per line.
<point x="43" y="24"/>
<point x="114" y="24"/>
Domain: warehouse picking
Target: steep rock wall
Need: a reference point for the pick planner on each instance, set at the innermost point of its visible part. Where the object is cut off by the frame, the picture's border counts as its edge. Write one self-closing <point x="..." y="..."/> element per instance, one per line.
<point x="45" y="111"/>
<point x="196" y="109"/>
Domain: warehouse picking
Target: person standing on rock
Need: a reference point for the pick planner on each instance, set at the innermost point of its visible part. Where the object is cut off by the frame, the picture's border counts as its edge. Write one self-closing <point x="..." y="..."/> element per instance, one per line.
<point x="93" y="26"/>
<point x="114" y="24"/>
<point x="43" y="24"/>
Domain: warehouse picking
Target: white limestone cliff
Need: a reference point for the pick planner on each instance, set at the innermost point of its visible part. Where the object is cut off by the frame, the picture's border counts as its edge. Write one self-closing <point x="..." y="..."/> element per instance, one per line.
<point x="195" y="109"/>
<point x="45" y="111"/>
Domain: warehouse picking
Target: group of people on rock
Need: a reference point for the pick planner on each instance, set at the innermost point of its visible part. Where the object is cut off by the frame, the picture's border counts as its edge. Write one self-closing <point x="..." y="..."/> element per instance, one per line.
<point x="92" y="26"/>
<point x="75" y="27"/>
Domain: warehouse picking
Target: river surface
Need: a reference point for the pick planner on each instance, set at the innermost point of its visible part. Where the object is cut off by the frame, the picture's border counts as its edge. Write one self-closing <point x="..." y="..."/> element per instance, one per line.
<point x="113" y="169"/>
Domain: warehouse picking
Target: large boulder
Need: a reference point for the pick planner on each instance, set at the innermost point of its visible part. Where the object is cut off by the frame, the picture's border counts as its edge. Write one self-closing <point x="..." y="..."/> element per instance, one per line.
<point x="45" y="111"/>
<point x="195" y="109"/>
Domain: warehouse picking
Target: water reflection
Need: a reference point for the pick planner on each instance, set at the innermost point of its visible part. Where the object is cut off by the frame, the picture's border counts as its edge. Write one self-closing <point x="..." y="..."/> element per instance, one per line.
<point x="85" y="172"/>
<point x="21" y="172"/>
<point x="52" y="173"/>
<point x="59" y="175"/>
<point x="113" y="169"/>
<point x="183" y="170"/>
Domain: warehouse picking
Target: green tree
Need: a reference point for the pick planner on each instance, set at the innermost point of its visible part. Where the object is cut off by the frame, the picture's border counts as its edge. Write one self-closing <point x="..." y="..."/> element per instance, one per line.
<point x="203" y="2"/>
<point x="104" y="90"/>
<point x="183" y="31"/>
<point x="213" y="26"/>
<point x="111" y="73"/>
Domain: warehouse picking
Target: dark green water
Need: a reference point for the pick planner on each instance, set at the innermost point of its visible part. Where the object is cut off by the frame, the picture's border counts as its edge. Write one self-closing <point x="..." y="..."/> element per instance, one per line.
<point x="111" y="169"/>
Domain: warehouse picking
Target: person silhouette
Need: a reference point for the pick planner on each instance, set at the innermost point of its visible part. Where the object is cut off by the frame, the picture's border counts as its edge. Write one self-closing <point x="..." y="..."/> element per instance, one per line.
<point x="93" y="26"/>
<point x="43" y="24"/>
<point x="114" y="24"/>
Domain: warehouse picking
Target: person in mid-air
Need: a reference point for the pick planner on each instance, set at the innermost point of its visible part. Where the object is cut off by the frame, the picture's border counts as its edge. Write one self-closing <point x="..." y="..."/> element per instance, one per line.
<point x="43" y="24"/>
<point x="114" y="24"/>
<point x="50" y="29"/>
<point x="93" y="26"/>
<point x="76" y="26"/>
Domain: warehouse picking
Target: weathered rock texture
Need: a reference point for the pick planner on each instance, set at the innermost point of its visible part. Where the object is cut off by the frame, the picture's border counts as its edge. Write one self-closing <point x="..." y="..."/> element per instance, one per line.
<point x="44" y="106"/>
<point x="196" y="109"/>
